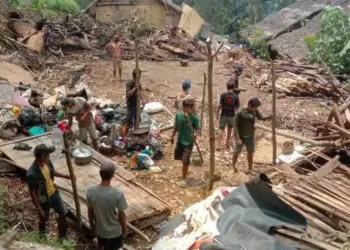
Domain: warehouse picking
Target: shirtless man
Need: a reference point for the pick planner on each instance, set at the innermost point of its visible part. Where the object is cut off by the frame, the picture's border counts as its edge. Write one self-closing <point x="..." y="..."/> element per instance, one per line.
<point x="114" y="49"/>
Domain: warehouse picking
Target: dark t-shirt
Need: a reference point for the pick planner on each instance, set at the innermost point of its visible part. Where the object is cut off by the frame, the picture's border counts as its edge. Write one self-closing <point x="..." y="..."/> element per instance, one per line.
<point x="132" y="100"/>
<point x="229" y="103"/>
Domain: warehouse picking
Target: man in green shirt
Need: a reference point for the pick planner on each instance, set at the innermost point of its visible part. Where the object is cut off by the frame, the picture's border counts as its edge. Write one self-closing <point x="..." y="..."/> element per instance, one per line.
<point x="186" y="125"/>
<point x="244" y="130"/>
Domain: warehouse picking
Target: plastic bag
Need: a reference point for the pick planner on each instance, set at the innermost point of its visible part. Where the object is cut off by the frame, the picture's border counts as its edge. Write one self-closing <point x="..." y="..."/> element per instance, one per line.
<point x="153" y="107"/>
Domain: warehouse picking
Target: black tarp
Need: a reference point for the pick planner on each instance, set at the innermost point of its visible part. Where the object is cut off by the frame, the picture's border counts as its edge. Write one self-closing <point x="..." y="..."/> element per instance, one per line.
<point x="250" y="211"/>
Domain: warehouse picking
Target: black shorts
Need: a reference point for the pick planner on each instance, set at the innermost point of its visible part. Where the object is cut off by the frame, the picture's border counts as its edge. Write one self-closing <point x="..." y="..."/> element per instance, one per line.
<point x="110" y="244"/>
<point x="183" y="153"/>
<point x="130" y="116"/>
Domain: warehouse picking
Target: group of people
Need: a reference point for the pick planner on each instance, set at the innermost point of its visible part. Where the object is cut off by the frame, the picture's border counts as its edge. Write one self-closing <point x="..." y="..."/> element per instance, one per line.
<point x="232" y="118"/>
<point x="105" y="203"/>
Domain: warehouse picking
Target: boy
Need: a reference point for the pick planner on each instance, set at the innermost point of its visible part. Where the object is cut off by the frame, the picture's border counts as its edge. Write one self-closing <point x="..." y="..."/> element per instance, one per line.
<point x="229" y="104"/>
<point x="106" y="205"/>
<point x="186" y="86"/>
<point x="187" y="127"/>
<point x="244" y="130"/>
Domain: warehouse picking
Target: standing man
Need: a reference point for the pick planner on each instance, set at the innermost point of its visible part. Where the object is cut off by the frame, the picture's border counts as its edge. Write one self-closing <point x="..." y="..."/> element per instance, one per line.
<point x="244" y="131"/>
<point x="131" y="99"/>
<point x="238" y="70"/>
<point x="187" y="126"/>
<point x="186" y="86"/>
<point x="106" y="205"/>
<point x="115" y="50"/>
<point x="229" y="104"/>
<point x="79" y="108"/>
<point x="44" y="194"/>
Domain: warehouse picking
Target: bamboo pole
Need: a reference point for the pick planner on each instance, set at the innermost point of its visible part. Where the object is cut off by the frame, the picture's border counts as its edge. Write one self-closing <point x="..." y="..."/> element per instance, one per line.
<point x="211" y="112"/>
<point x="137" y="82"/>
<point x="203" y="100"/>
<point x="296" y="137"/>
<point x="274" y="140"/>
<point x="73" y="180"/>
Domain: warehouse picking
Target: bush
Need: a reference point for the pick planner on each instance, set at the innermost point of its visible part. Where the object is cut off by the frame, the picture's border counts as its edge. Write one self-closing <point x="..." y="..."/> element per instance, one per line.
<point x="258" y="45"/>
<point x="48" y="8"/>
<point x="331" y="43"/>
<point x="36" y="237"/>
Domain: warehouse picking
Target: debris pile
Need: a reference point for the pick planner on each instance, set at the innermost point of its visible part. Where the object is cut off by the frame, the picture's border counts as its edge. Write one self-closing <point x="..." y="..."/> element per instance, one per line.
<point x="82" y="32"/>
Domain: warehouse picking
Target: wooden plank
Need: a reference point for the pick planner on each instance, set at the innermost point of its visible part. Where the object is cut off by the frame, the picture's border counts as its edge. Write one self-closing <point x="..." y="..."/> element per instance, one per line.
<point x="141" y="202"/>
<point x="337" y="117"/>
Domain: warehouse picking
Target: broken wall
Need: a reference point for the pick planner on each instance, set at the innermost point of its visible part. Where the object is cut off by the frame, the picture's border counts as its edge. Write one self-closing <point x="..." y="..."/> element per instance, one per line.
<point x="191" y="22"/>
<point x="152" y="12"/>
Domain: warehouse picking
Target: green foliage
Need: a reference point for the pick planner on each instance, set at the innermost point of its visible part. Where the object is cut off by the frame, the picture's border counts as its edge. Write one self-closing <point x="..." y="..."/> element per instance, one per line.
<point x="48" y="8"/>
<point x="35" y="237"/>
<point x="258" y="45"/>
<point x="331" y="43"/>
<point x="3" y="222"/>
<point x="227" y="17"/>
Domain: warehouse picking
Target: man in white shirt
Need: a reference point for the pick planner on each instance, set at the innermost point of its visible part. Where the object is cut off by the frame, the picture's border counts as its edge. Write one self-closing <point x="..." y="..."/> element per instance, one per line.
<point x="79" y="108"/>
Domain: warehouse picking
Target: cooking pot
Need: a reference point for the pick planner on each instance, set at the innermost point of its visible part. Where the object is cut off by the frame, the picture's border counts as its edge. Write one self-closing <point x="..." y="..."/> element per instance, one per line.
<point x="82" y="156"/>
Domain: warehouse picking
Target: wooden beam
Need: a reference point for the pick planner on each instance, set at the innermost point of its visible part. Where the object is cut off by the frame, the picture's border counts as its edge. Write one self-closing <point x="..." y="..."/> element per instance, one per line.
<point x="296" y="137"/>
<point x="138" y="109"/>
<point x="203" y="100"/>
<point x="67" y="152"/>
<point x="342" y="131"/>
<point x="327" y="168"/>
<point x="274" y="140"/>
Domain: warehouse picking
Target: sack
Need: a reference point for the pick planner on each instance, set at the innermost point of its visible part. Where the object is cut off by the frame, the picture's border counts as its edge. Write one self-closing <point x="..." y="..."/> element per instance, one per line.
<point x="153" y="107"/>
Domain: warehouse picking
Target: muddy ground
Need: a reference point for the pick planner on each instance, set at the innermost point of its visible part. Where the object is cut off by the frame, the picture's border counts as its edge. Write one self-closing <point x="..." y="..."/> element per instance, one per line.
<point x="161" y="81"/>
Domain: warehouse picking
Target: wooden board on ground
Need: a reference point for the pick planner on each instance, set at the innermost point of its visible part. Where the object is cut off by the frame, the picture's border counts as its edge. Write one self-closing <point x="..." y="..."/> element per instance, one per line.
<point x="142" y="204"/>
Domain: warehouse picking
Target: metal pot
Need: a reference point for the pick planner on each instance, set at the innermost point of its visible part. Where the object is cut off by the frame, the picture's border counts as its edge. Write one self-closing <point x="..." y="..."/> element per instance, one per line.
<point x="82" y="156"/>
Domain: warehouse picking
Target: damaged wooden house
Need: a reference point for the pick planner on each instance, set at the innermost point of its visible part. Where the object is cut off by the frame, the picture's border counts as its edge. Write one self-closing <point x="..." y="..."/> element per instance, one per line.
<point x="154" y="12"/>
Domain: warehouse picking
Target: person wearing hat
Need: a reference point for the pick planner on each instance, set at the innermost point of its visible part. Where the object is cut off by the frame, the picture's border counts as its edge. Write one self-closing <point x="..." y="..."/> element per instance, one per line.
<point x="81" y="109"/>
<point x="244" y="130"/>
<point x="131" y="99"/>
<point x="186" y="86"/>
<point x="238" y="70"/>
<point x="229" y="104"/>
<point x="106" y="205"/>
<point x="44" y="194"/>
<point x="186" y="125"/>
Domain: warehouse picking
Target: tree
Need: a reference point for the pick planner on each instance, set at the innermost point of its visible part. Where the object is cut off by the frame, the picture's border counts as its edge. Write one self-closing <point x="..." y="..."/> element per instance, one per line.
<point x="48" y="8"/>
<point x="331" y="43"/>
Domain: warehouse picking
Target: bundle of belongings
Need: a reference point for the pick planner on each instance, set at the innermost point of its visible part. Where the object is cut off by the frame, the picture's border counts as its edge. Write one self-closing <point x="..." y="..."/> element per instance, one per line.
<point x="232" y="219"/>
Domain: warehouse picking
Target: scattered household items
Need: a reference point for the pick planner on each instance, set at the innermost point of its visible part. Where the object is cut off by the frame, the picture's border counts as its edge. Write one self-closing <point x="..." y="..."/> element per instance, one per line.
<point x="184" y="63"/>
<point x="36" y="130"/>
<point x="21" y="146"/>
<point x="82" y="156"/>
<point x="8" y="124"/>
<point x="57" y="138"/>
<point x="29" y="118"/>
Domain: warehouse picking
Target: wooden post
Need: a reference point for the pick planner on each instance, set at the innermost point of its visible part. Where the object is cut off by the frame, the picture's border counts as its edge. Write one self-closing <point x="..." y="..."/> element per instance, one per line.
<point x="211" y="112"/>
<point x="203" y="100"/>
<point x="274" y="141"/>
<point x="73" y="179"/>
<point x="137" y="82"/>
